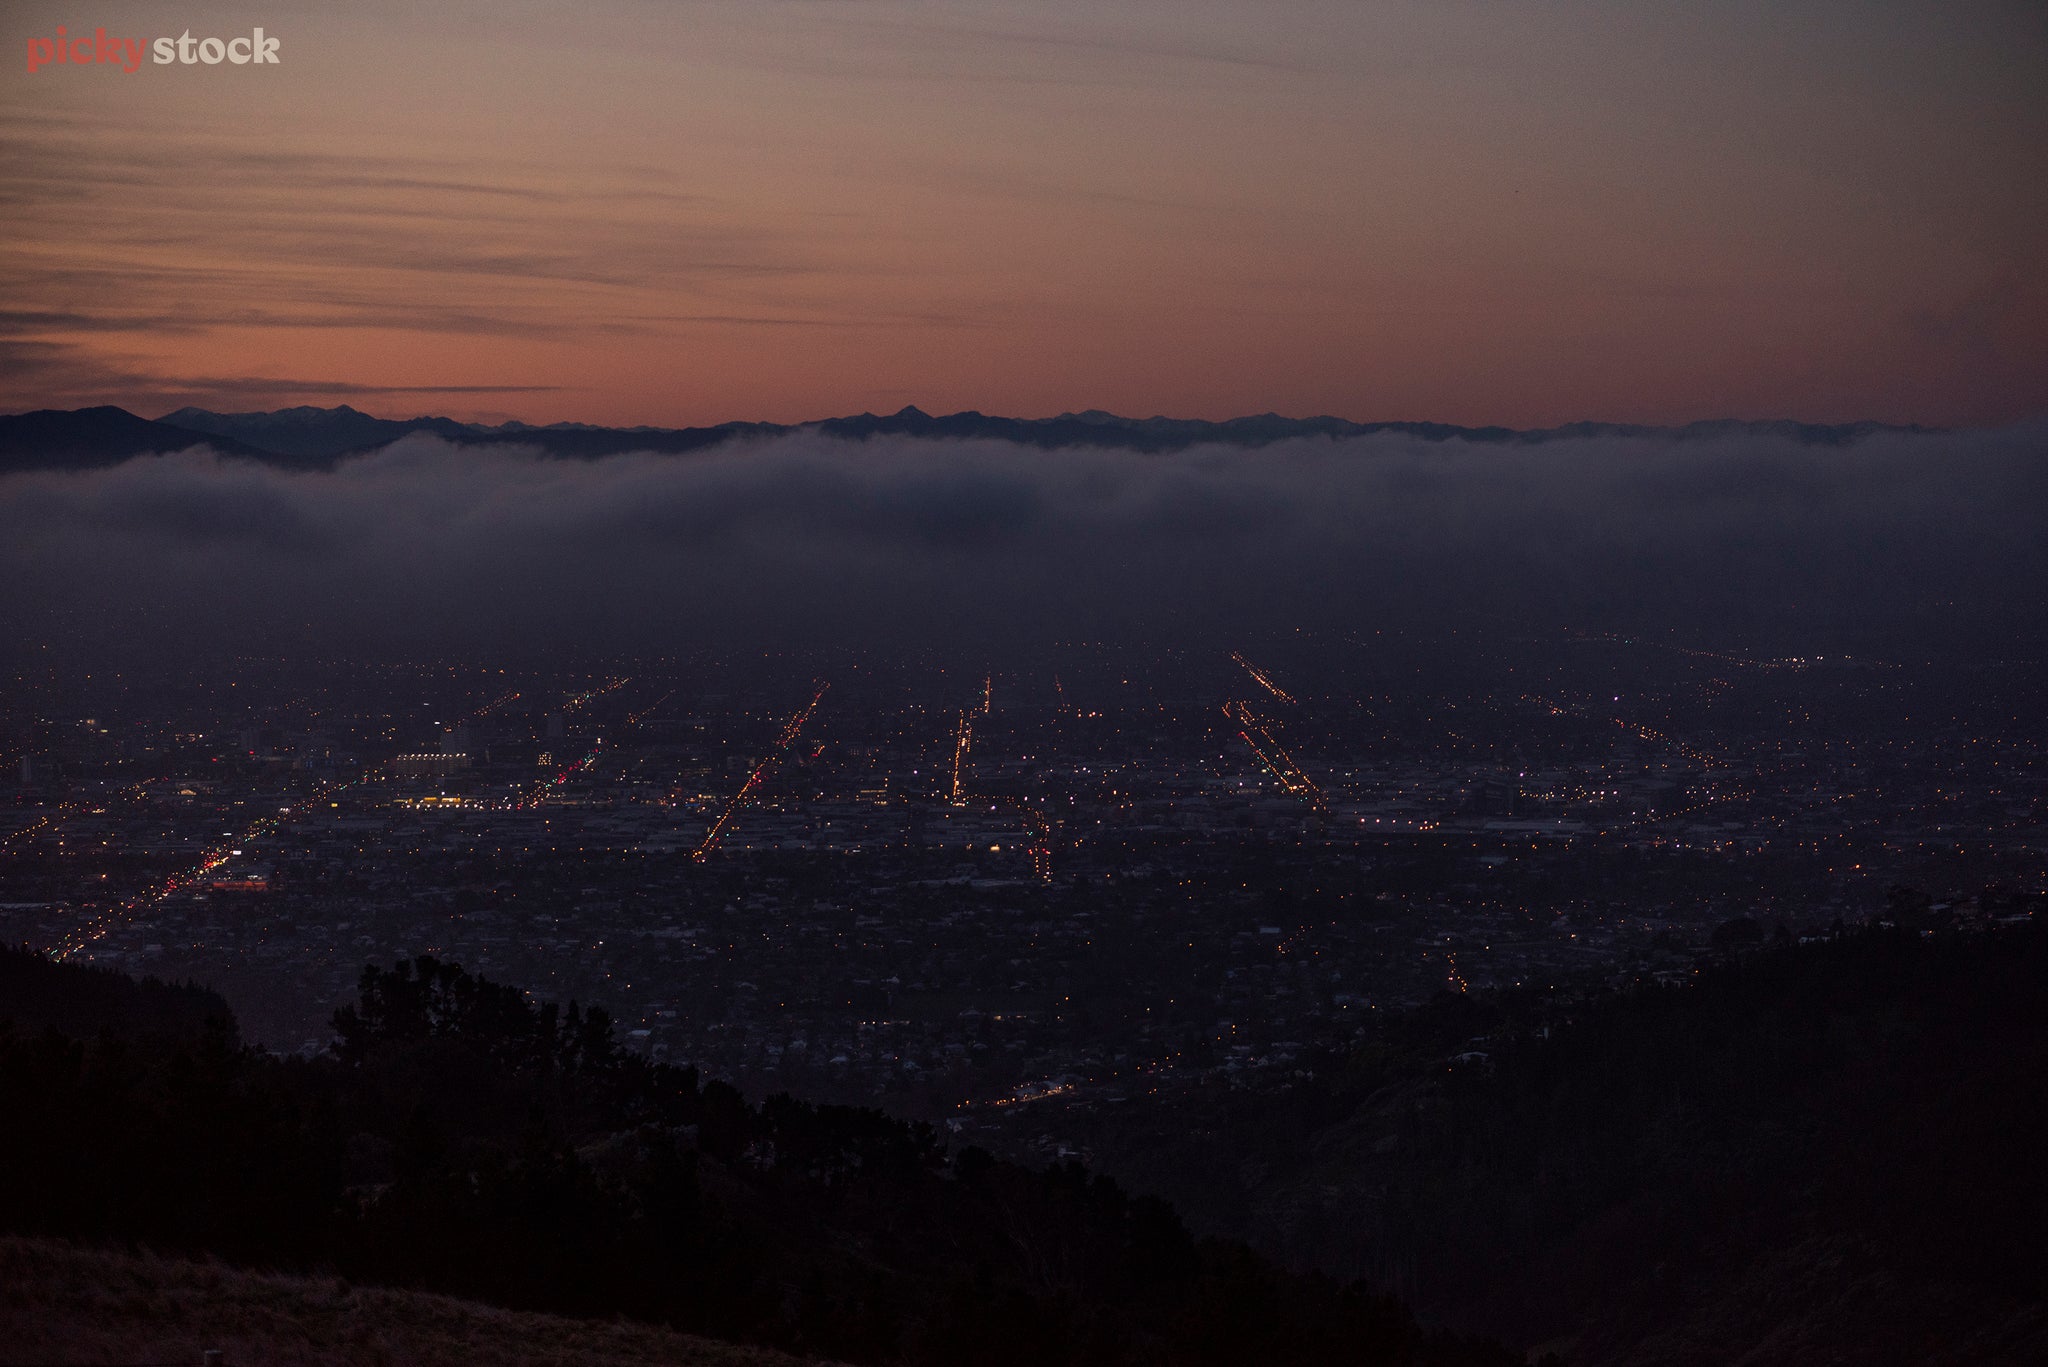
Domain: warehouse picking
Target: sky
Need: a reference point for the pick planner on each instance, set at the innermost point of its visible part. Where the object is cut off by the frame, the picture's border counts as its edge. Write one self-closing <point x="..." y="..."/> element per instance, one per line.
<point x="667" y="212"/>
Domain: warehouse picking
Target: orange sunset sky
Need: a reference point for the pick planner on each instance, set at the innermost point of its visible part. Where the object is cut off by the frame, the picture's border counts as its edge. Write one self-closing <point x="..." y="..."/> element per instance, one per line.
<point x="657" y="211"/>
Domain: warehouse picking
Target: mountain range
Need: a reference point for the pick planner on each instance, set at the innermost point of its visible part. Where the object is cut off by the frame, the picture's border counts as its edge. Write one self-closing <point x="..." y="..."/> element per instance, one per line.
<point x="308" y="437"/>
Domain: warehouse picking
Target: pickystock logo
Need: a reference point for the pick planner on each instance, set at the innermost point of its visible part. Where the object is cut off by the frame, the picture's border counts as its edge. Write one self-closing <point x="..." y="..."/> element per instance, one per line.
<point x="125" y="54"/>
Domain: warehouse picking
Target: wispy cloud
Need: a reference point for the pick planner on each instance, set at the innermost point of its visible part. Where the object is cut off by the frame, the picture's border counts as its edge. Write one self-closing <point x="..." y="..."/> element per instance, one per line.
<point x="242" y="234"/>
<point x="300" y="388"/>
<point x="62" y="374"/>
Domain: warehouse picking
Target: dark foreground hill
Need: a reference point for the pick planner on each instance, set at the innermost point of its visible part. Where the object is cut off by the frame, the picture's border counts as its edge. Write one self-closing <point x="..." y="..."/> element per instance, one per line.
<point x="37" y="994"/>
<point x="465" y="1141"/>
<point x="1829" y="1152"/>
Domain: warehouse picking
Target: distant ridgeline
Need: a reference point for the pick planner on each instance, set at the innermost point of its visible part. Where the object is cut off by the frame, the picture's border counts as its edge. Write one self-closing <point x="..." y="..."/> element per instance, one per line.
<point x="462" y="1139"/>
<point x="318" y="437"/>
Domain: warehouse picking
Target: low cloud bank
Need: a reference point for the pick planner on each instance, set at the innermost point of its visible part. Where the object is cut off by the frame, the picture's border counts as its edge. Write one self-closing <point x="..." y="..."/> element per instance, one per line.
<point x="807" y="539"/>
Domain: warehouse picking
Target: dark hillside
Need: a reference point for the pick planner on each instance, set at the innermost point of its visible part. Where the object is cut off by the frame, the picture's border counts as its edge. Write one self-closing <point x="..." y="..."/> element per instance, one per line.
<point x="1813" y="1152"/>
<point x="37" y="993"/>
<point x="467" y="1141"/>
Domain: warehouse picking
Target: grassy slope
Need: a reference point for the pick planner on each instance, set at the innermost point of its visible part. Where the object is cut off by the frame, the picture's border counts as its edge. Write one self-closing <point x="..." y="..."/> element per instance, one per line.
<point x="60" y="1303"/>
